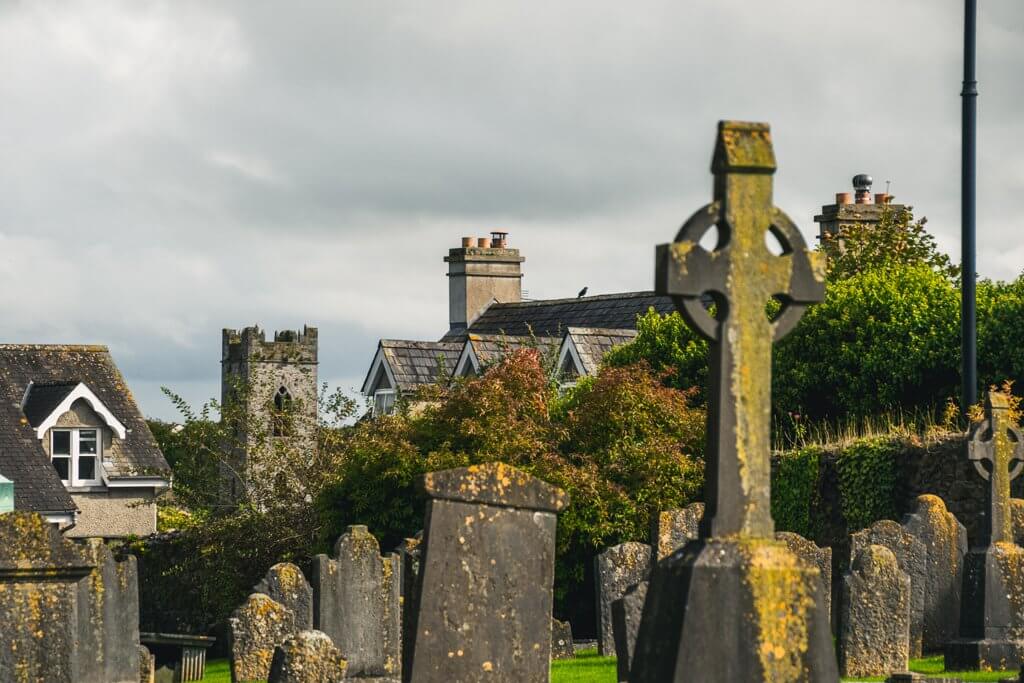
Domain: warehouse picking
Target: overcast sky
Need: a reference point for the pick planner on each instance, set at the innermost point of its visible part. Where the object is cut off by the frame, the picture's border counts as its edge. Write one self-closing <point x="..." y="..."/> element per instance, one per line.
<point x="171" y="168"/>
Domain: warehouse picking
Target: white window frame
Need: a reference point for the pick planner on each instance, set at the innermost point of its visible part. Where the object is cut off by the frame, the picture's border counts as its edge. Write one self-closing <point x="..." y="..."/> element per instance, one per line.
<point x="376" y="402"/>
<point x="75" y="432"/>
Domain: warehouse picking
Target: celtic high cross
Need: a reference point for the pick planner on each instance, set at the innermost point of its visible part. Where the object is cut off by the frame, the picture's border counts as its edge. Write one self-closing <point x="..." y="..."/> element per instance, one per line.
<point x="740" y="275"/>
<point x="997" y="451"/>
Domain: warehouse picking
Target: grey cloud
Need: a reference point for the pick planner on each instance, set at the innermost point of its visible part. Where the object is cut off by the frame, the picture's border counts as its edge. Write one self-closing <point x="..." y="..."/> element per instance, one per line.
<point x="174" y="168"/>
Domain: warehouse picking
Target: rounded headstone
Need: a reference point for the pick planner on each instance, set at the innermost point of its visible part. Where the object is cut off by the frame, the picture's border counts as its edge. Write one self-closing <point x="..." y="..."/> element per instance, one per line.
<point x="945" y="540"/>
<point x="561" y="640"/>
<point x="874" y="638"/>
<point x="286" y="584"/>
<point x="258" y="626"/>
<point x="307" y="657"/>
<point x="912" y="556"/>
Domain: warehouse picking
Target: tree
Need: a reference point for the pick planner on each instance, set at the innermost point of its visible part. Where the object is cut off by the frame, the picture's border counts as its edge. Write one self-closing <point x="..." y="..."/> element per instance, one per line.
<point x="897" y="239"/>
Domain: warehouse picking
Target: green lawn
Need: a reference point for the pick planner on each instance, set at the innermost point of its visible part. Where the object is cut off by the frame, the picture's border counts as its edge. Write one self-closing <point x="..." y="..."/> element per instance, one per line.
<point x="589" y="668"/>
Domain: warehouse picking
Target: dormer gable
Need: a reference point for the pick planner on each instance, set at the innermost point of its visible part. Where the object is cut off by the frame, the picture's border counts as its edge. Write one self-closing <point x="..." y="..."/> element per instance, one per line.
<point x="44" y="404"/>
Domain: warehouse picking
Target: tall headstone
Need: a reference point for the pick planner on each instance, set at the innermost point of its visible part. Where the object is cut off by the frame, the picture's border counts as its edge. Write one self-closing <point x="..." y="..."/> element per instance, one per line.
<point x="307" y="657"/>
<point x="809" y="552"/>
<point x="410" y="552"/>
<point x="486" y="577"/>
<point x="912" y="556"/>
<point x="286" y="584"/>
<point x="357" y="603"/>
<point x="615" y="570"/>
<point x="737" y="605"/>
<point x="945" y="541"/>
<point x="874" y="637"/>
<point x="626" y="614"/>
<point x="39" y="576"/>
<point x="672" y="529"/>
<point x="257" y="627"/>
<point x="991" y="634"/>
<point x="108" y="618"/>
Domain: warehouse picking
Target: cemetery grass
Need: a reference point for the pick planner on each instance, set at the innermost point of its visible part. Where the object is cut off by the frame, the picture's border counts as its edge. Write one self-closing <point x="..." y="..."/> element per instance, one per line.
<point x="588" y="667"/>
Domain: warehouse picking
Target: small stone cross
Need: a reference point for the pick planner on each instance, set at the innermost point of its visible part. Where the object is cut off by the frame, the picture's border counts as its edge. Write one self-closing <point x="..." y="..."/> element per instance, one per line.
<point x="740" y="275"/>
<point x="997" y="442"/>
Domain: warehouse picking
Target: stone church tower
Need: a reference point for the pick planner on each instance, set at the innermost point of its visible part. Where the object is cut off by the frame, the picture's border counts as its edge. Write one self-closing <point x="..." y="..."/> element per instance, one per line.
<point x="277" y="381"/>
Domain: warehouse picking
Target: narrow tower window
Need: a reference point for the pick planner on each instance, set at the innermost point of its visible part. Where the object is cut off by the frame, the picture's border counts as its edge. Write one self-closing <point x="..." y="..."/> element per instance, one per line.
<point x="282" y="419"/>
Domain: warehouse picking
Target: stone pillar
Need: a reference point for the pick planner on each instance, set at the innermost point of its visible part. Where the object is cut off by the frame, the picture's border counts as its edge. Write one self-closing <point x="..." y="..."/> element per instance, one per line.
<point x="615" y="570"/>
<point x="485" y="587"/>
<point x="357" y="604"/>
<point x="874" y="637"/>
<point x="39" y="575"/>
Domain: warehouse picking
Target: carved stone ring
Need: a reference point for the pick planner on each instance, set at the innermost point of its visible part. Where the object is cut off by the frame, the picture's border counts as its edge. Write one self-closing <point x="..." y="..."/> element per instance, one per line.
<point x="981" y="445"/>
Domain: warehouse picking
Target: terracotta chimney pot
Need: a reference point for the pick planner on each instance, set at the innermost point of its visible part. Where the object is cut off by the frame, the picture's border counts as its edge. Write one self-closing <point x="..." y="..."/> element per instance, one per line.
<point x="483" y="242"/>
<point x="467" y="242"/>
<point x="844" y="198"/>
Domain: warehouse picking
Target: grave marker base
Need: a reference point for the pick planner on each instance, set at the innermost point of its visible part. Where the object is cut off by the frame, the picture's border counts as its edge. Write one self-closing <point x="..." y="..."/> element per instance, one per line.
<point x="991" y="613"/>
<point x="734" y="610"/>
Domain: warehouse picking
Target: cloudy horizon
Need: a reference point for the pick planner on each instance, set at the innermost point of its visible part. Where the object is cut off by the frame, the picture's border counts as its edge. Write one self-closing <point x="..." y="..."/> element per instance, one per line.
<point x="173" y="168"/>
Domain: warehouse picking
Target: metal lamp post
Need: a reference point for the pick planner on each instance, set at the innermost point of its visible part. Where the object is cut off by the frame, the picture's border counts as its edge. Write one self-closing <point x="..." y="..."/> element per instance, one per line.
<point x="968" y="316"/>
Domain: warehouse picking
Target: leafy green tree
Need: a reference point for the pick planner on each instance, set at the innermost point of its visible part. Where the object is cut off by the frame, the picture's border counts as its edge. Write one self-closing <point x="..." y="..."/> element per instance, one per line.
<point x="883" y="339"/>
<point x="897" y="239"/>
<point x="668" y="345"/>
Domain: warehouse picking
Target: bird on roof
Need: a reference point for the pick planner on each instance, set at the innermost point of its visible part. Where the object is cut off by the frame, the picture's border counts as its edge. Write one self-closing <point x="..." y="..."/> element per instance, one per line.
<point x="583" y="293"/>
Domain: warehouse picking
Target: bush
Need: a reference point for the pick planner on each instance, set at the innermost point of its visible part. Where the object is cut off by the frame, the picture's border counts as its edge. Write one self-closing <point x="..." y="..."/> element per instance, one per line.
<point x="882" y="340"/>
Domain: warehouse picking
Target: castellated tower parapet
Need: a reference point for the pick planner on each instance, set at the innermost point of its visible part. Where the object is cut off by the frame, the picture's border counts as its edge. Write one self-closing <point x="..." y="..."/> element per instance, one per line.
<point x="277" y="381"/>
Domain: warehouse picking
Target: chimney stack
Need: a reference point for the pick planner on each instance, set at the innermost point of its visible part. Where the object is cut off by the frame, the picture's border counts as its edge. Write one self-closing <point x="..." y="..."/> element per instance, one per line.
<point x="482" y="270"/>
<point x="852" y="208"/>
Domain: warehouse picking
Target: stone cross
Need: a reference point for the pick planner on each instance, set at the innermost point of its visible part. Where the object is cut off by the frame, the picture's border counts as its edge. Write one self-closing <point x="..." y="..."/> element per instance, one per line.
<point x="740" y="275"/>
<point x="997" y="451"/>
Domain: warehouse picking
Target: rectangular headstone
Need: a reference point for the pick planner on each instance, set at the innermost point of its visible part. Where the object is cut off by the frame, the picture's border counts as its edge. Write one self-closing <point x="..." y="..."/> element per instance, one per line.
<point x="672" y="529"/>
<point x="108" y="618"/>
<point x="485" y="586"/>
<point x="626" y="614"/>
<point x="39" y="575"/>
<point x="357" y="603"/>
<point x="615" y="570"/>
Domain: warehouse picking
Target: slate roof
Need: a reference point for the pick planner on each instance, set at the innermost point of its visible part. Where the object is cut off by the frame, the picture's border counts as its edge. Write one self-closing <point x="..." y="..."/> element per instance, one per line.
<point x="592" y="343"/>
<point x="415" y="363"/>
<point x="43" y="399"/>
<point x="36" y="485"/>
<point x="553" y="317"/>
<point x="490" y="348"/>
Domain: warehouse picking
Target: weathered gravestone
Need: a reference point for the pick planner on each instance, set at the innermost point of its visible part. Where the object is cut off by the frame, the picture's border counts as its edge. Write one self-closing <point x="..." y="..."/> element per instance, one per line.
<point x="485" y="585"/>
<point x="672" y="529"/>
<point x="39" y="576"/>
<point x="108" y="618"/>
<point x="307" y="657"/>
<point x="258" y="626"/>
<point x="945" y="541"/>
<point x="286" y="584"/>
<point x="809" y="552"/>
<point x="626" y="614"/>
<point x="147" y="666"/>
<point x="409" y="552"/>
<point x="615" y="570"/>
<point x="561" y="640"/>
<point x="991" y="634"/>
<point x="874" y="636"/>
<point x="912" y="556"/>
<point x="737" y="605"/>
<point x="357" y="604"/>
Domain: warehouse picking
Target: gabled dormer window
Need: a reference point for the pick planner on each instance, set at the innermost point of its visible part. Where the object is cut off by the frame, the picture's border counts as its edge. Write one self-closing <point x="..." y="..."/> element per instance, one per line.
<point x="75" y="454"/>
